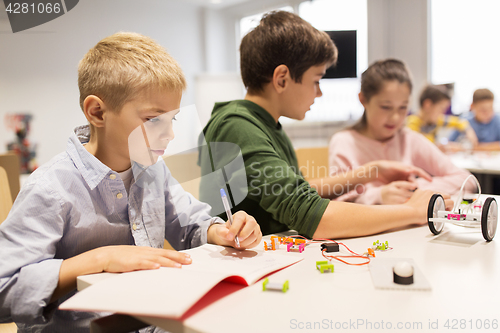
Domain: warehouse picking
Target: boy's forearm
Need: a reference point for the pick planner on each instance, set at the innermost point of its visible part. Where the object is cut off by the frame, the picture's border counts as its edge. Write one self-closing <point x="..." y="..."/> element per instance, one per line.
<point x="488" y="146"/>
<point x="86" y="263"/>
<point x="346" y="220"/>
<point x="342" y="183"/>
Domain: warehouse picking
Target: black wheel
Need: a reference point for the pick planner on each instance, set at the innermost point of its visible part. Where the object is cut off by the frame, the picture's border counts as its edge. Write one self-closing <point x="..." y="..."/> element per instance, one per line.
<point x="489" y="218"/>
<point x="435" y="204"/>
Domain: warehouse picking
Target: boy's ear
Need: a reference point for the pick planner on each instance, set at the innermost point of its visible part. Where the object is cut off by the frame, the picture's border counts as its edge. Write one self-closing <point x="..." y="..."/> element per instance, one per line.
<point x="93" y="108"/>
<point x="362" y="98"/>
<point x="281" y="77"/>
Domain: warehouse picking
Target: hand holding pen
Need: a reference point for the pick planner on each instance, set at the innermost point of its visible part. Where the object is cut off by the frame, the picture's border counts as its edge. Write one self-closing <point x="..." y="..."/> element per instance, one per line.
<point x="240" y="226"/>
<point x="228" y="213"/>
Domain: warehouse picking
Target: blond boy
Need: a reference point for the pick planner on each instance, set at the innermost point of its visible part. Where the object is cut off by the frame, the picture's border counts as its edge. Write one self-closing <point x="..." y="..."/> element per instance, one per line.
<point x="99" y="206"/>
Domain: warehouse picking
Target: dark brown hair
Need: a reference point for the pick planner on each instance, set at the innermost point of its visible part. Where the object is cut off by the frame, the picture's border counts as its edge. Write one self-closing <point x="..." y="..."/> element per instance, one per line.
<point x="482" y="95"/>
<point x="283" y="38"/>
<point x="433" y="93"/>
<point x="373" y="79"/>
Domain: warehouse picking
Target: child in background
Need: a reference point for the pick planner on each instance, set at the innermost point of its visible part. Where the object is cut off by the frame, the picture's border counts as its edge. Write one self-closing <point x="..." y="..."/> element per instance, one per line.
<point x="381" y="135"/>
<point x="102" y="206"/>
<point x="432" y="122"/>
<point x="484" y="121"/>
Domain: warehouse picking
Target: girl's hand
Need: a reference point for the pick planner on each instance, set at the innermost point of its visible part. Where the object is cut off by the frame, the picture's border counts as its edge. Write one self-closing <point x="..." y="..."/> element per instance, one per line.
<point x="244" y="226"/>
<point x="390" y="171"/>
<point x="397" y="192"/>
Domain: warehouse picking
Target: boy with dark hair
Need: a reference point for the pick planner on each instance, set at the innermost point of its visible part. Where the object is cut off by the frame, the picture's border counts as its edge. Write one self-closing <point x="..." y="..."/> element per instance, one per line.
<point x="282" y="62"/>
<point x="106" y="204"/>
<point x="432" y="122"/>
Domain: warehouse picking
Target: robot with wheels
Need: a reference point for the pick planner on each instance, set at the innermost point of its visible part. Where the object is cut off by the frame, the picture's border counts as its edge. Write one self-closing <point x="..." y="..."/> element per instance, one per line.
<point x="470" y="213"/>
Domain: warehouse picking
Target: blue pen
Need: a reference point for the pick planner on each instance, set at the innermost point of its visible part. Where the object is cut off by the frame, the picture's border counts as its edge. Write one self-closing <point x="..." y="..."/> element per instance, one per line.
<point x="228" y="212"/>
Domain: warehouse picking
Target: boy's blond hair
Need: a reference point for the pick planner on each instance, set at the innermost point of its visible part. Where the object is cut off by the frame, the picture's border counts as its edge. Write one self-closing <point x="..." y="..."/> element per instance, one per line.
<point x="123" y="65"/>
<point x="482" y="95"/>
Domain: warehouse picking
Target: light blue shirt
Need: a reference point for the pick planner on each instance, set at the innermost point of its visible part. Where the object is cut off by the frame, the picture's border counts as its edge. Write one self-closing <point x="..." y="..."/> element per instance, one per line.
<point x="74" y="204"/>
<point x="489" y="132"/>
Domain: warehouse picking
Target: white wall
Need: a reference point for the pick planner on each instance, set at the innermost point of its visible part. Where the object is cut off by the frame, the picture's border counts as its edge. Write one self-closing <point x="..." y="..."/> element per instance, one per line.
<point x="220" y="41"/>
<point x="38" y="67"/>
<point x="399" y="29"/>
<point x="222" y="35"/>
<point x="221" y="80"/>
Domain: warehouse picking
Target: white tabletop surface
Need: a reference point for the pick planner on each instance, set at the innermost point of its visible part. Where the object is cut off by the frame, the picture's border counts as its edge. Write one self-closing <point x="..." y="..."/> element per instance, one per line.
<point x="463" y="271"/>
<point x="461" y="267"/>
<point x="478" y="162"/>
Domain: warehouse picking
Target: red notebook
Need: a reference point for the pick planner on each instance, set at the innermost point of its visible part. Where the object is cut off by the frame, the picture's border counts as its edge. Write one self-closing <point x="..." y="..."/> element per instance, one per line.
<point x="171" y="292"/>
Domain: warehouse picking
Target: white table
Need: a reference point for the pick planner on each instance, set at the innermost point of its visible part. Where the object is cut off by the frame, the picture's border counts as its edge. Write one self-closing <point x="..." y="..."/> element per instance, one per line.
<point x="462" y="268"/>
<point x="485" y="165"/>
<point x="480" y="162"/>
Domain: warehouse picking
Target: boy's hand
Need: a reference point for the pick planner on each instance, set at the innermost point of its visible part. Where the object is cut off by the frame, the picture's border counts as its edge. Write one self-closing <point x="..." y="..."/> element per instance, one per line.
<point x="244" y="226"/>
<point x="114" y="259"/>
<point x="126" y="258"/>
<point x="389" y="171"/>
<point x="397" y="192"/>
<point x="451" y="147"/>
<point x="420" y="203"/>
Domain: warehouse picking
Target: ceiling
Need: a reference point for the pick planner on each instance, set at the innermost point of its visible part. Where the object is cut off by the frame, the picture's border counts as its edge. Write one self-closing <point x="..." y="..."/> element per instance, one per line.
<point x="217" y="4"/>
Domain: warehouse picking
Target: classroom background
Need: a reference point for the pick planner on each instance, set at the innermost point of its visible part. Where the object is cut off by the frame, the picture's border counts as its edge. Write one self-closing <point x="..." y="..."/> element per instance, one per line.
<point x="442" y="41"/>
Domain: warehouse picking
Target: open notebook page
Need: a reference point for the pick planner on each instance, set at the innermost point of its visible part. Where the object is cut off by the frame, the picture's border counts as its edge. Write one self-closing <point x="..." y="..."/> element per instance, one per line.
<point x="249" y="265"/>
<point x="169" y="292"/>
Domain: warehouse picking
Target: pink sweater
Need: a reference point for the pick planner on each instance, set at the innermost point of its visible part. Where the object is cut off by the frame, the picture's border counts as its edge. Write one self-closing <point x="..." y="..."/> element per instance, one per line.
<point x="349" y="150"/>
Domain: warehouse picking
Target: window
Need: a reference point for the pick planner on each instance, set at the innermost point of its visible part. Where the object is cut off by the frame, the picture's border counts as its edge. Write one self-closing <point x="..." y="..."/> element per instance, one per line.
<point x="464" y="48"/>
<point x="340" y="96"/>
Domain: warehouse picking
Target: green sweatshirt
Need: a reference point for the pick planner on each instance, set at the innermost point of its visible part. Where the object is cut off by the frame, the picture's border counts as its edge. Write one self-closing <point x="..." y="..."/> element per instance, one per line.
<point x="275" y="192"/>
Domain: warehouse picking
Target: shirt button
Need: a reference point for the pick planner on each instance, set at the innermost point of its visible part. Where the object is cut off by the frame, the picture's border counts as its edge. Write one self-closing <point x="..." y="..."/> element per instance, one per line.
<point x="119" y="195"/>
<point x="112" y="176"/>
<point x="134" y="226"/>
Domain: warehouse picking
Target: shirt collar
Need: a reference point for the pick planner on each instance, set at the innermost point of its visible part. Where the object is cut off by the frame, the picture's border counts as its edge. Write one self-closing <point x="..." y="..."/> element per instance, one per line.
<point x="92" y="170"/>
